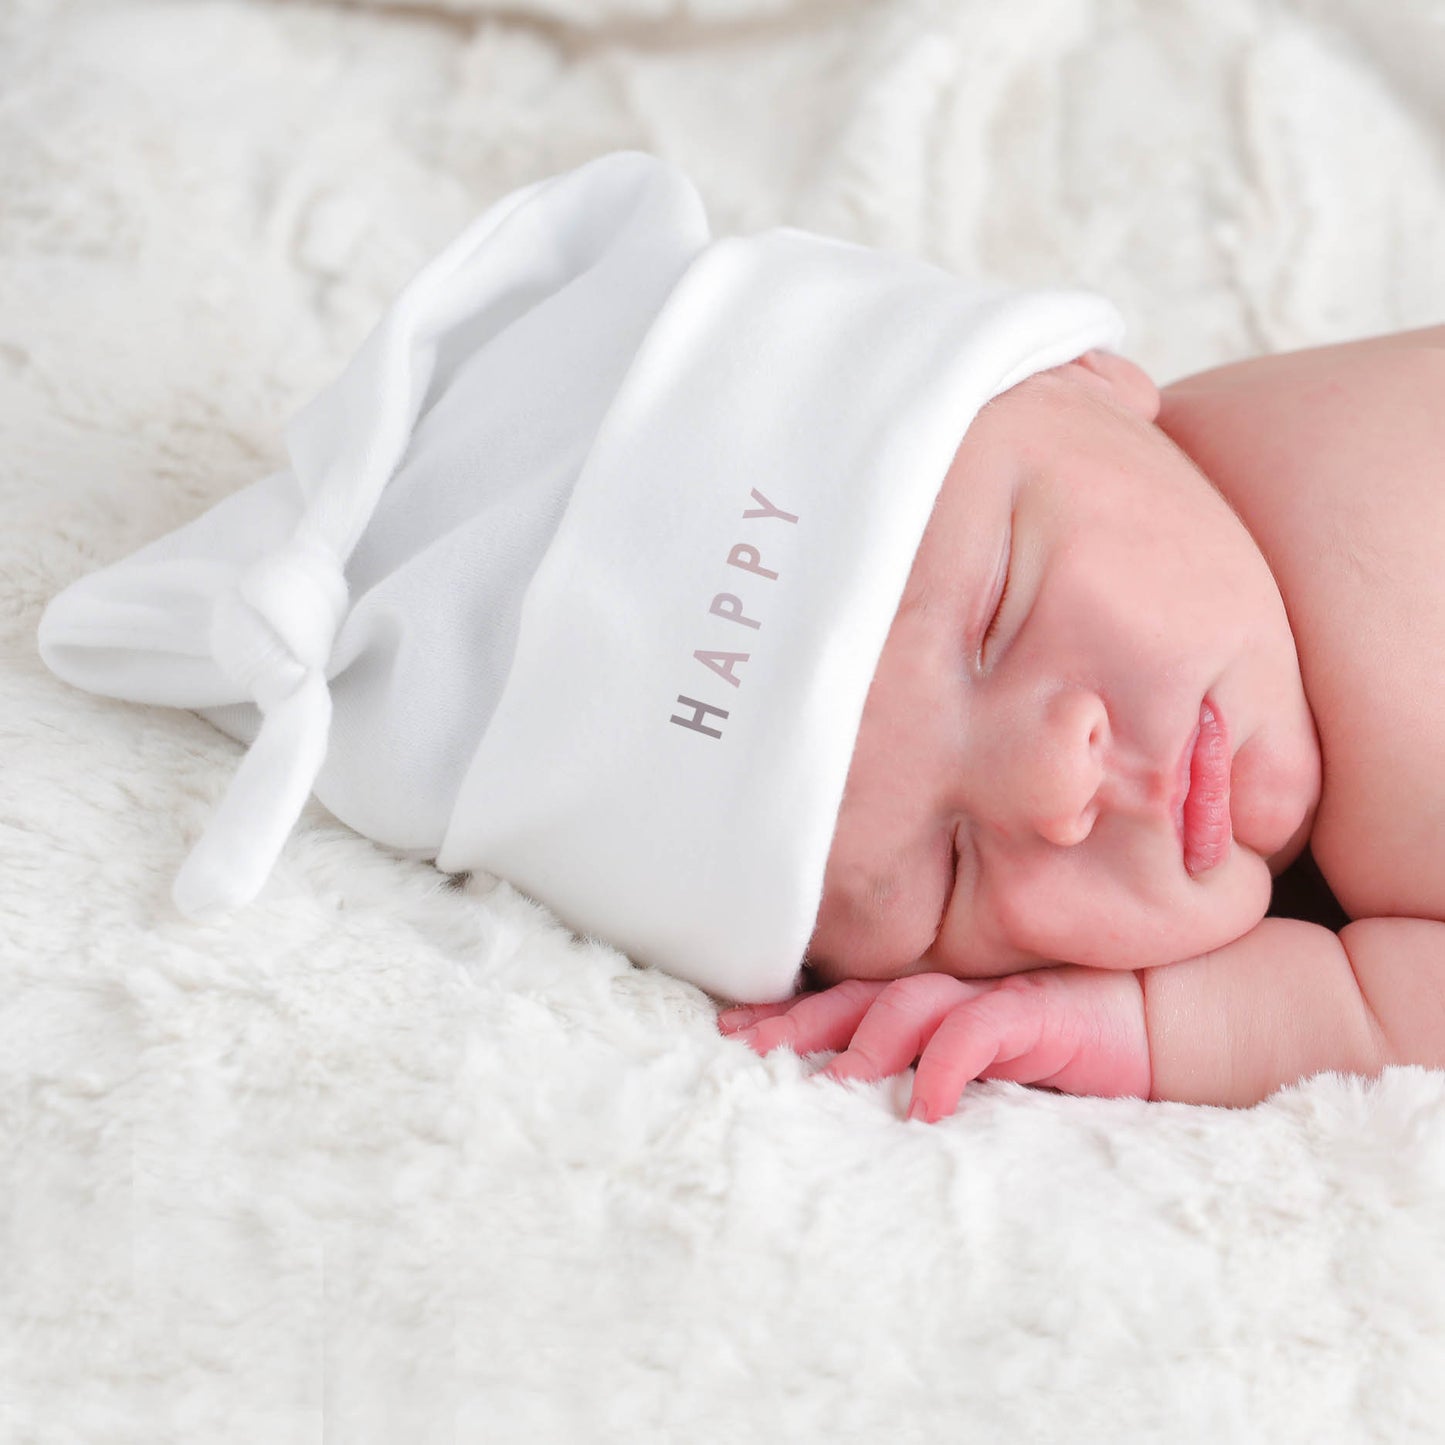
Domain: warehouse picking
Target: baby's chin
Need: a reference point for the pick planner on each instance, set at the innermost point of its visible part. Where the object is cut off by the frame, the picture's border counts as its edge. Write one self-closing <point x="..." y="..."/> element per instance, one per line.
<point x="1280" y="860"/>
<point x="1146" y="939"/>
<point x="1273" y="801"/>
<point x="1200" y="915"/>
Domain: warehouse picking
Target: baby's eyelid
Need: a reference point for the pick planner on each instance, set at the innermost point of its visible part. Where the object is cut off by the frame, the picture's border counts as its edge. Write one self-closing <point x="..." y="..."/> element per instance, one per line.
<point x="1001" y="591"/>
<point x="955" y="883"/>
<point x="948" y="892"/>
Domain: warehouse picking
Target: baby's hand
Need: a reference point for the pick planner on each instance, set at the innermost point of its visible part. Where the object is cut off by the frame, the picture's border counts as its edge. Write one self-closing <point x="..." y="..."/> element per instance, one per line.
<point x="1076" y="1029"/>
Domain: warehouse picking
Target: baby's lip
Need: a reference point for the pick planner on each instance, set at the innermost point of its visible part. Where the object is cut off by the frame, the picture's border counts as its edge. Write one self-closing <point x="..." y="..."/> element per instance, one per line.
<point x="1201" y="808"/>
<point x="1181" y="780"/>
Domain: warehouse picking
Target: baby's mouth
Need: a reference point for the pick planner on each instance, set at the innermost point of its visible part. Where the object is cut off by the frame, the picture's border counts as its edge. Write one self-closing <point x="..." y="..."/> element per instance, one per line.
<point x="1202" y="817"/>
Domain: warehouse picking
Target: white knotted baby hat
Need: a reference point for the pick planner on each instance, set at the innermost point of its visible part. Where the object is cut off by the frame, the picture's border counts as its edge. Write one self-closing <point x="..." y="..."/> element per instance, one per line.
<point x="580" y="570"/>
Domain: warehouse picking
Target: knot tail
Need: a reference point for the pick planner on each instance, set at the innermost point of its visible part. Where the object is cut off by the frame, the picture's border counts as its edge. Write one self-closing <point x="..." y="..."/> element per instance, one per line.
<point x="230" y="863"/>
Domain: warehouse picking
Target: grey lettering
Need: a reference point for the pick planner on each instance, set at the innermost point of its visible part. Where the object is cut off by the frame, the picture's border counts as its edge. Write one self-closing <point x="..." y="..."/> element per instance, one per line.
<point x="723" y="663"/>
<point x="767" y="509"/>
<point x="753" y="562"/>
<point x="695" y="722"/>
<point x="726" y="605"/>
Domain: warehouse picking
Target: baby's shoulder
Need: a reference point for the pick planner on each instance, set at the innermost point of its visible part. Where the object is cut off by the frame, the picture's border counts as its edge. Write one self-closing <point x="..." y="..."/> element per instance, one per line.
<point x="1289" y="404"/>
<point x="1335" y="461"/>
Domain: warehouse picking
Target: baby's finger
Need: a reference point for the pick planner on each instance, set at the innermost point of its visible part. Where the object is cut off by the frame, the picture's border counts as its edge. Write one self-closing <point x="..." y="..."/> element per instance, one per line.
<point x="730" y="1020"/>
<point x="816" y="1021"/>
<point x="1001" y="1024"/>
<point x="898" y="1026"/>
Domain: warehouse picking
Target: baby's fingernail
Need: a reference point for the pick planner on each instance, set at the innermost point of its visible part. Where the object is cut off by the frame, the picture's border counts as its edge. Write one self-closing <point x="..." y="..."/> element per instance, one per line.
<point x="919" y="1110"/>
<point x="735" y="1018"/>
<point x="748" y="1036"/>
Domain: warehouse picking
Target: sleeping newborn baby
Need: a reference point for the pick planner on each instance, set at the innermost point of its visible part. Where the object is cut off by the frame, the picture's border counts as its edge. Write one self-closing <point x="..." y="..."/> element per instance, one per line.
<point x="771" y="606"/>
<point x="1152" y="649"/>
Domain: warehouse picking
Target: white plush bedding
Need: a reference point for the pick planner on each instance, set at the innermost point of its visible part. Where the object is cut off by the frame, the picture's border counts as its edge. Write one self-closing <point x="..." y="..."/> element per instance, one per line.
<point x="382" y="1161"/>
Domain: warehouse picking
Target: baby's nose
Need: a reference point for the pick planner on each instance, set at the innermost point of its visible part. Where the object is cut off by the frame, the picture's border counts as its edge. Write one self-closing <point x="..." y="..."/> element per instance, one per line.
<point x="1060" y="785"/>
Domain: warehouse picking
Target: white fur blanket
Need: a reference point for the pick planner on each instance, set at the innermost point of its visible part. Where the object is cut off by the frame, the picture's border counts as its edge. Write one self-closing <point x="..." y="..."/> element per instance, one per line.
<point x="382" y="1161"/>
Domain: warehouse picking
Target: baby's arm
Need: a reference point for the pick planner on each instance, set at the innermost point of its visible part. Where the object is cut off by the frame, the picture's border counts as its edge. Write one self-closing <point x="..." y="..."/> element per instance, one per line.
<point x="1287" y="1000"/>
<point x="1290" y="999"/>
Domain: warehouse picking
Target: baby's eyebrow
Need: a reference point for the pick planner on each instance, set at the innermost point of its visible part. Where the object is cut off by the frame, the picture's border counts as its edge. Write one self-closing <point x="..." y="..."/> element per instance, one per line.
<point x="866" y="905"/>
<point x="918" y="597"/>
<point x="881" y="888"/>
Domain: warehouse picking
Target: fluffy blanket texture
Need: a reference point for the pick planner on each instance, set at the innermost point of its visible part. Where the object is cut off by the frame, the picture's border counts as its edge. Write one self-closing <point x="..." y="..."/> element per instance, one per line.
<point x="385" y="1160"/>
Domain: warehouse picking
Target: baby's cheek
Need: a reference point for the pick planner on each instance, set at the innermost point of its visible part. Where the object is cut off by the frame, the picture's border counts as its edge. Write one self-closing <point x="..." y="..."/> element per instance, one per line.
<point x="870" y="954"/>
<point x="1029" y="920"/>
<point x="881" y="904"/>
<point x="1120" y="928"/>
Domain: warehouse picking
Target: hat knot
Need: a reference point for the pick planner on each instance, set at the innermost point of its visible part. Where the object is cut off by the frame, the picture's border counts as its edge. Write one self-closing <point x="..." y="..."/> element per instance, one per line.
<point x="272" y="634"/>
<point x="278" y="624"/>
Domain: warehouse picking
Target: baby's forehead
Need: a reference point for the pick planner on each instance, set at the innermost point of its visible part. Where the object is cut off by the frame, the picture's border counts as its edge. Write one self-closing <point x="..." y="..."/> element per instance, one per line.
<point x="968" y="506"/>
<point x="1021" y="436"/>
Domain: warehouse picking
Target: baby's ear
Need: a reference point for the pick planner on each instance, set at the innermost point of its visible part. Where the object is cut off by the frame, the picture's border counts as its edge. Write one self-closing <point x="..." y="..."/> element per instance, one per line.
<point x="1127" y="383"/>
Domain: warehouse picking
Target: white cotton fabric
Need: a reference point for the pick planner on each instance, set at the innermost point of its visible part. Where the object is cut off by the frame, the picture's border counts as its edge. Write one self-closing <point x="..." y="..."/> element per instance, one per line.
<point x="581" y="569"/>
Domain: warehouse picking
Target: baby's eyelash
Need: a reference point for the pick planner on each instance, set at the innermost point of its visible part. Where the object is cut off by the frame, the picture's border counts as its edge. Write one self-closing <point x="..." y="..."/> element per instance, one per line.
<point x="1003" y="593"/>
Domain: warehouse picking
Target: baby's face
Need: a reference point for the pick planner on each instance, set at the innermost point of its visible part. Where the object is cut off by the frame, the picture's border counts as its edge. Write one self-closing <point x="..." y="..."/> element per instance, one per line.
<point x="1087" y="739"/>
